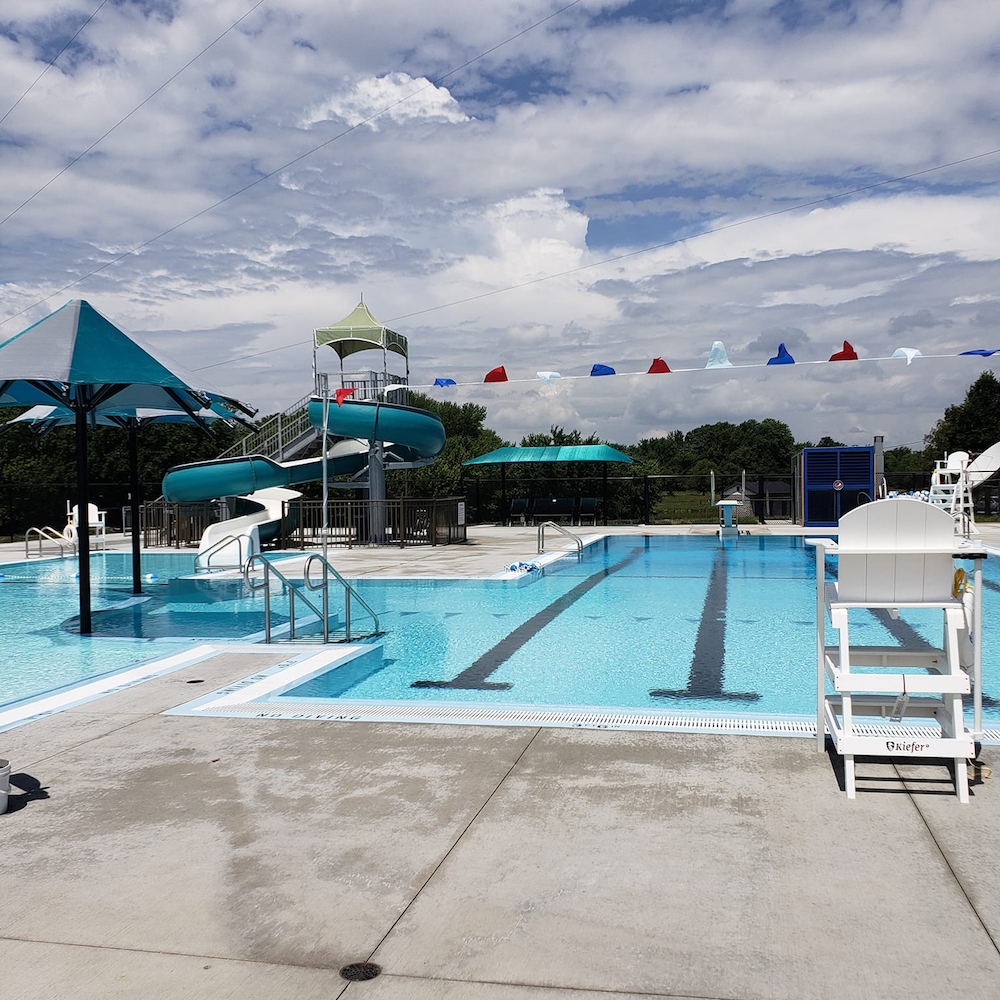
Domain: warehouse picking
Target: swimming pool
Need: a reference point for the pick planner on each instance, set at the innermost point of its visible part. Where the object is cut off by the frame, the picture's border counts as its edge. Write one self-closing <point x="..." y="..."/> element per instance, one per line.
<point x="677" y="623"/>
<point x="680" y="624"/>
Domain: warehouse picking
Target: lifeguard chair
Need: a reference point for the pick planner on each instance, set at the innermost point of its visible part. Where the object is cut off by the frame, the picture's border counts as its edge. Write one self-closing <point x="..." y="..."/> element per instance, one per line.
<point x="893" y="554"/>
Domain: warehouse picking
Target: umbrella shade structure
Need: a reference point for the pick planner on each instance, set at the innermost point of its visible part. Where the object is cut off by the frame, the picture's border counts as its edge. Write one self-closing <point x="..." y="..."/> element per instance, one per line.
<point x="43" y="419"/>
<point x="553" y="453"/>
<point x="79" y="360"/>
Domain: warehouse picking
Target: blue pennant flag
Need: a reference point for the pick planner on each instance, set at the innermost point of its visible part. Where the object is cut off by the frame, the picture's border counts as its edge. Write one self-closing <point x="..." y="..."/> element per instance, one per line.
<point x="782" y="357"/>
<point x="602" y="370"/>
<point x="445" y="381"/>
<point x="981" y="353"/>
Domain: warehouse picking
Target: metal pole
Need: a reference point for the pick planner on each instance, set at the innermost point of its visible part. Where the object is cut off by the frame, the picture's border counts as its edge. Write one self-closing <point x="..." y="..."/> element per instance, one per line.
<point x="325" y="389"/>
<point x="82" y="510"/>
<point x="605" y="464"/>
<point x="133" y="471"/>
<point x="503" y="494"/>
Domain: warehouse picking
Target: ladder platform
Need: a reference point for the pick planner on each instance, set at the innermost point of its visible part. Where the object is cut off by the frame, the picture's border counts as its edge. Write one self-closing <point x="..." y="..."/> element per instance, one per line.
<point x="891" y="739"/>
<point x="938" y="680"/>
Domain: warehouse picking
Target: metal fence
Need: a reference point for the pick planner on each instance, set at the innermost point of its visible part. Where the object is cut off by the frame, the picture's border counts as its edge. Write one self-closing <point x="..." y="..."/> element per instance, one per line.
<point x="351" y="523"/>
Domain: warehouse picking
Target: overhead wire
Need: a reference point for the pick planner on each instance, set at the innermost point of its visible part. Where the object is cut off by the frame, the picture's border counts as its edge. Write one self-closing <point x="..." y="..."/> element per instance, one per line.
<point x="52" y="62"/>
<point x="290" y="163"/>
<point x="121" y="121"/>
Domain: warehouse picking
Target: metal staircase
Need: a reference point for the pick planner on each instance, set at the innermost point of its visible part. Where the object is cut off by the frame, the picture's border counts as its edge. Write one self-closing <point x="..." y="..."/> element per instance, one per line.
<point x="282" y="437"/>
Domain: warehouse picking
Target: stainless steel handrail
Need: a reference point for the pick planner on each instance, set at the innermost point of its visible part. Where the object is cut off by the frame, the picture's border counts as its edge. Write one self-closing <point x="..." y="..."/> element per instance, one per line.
<point x="49" y="535"/>
<point x="293" y="592"/>
<point x="558" y="527"/>
<point x="220" y="544"/>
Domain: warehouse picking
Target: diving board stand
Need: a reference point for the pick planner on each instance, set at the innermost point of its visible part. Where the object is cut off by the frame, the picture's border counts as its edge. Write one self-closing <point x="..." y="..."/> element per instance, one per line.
<point x="727" y="508"/>
<point x="891" y="555"/>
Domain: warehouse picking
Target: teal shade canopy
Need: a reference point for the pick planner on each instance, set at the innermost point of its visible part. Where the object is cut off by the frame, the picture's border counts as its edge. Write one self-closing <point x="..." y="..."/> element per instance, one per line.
<point x="569" y="453"/>
<point x="76" y="357"/>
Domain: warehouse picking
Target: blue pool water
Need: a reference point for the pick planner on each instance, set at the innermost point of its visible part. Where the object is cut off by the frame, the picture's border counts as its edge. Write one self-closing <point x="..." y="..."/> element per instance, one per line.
<point x="679" y="623"/>
<point x="41" y="649"/>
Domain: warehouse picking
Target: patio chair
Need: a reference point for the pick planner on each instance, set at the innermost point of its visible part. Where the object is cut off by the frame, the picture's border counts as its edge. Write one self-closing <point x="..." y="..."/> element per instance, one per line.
<point x="550" y="508"/>
<point x="587" y="510"/>
<point x="894" y="554"/>
<point x="519" y="509"/>
<point x="96" y="519"/>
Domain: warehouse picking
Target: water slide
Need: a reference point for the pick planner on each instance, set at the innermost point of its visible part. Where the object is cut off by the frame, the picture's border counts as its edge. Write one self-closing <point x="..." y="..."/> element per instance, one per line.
<point x="409" y="437"/>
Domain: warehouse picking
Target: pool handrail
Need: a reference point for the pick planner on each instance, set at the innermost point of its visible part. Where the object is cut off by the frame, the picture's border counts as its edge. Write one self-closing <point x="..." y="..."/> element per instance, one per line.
<point x="293" y="591"/>
<point x="218" y="546"/>
<point x="51" y="535"/>
<point x="560" y="528"/>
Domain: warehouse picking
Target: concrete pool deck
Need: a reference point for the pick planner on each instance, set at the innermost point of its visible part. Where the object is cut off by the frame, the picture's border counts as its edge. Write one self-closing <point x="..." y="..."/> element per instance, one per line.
<point x="170" y="856"/>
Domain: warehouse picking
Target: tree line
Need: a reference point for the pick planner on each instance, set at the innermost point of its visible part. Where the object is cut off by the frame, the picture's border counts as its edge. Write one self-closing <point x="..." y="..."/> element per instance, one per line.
<point x="37" y="473"/>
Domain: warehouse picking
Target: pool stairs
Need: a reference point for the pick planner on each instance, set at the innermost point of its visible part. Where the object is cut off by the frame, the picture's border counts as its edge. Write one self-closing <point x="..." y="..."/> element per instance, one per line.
<point x="322" y="622"/>
<point x="892" y="554"/>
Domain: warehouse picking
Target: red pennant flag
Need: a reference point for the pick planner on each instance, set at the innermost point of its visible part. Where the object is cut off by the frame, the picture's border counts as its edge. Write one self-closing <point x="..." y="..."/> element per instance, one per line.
<point x="847" y="354"/>
<point x="658" y="367"/>
<point x="497" y="375"/>
<point x="342" y="394"/>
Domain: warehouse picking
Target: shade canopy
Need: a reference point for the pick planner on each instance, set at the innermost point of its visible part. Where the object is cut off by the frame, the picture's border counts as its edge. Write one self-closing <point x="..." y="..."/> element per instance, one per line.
<point x="569" y="453"/>
<point x="78" y="359"/>
<point x="360" y="331"/>
<point x="45" y="418"/>
<point x="75" y="357"/>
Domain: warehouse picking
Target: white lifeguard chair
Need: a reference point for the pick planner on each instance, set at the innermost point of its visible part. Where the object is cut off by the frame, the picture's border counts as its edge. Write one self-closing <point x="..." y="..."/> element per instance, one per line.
<point x="892" y="554"/>
<point x="95" y="520"/>
<point x="951" y="490"/>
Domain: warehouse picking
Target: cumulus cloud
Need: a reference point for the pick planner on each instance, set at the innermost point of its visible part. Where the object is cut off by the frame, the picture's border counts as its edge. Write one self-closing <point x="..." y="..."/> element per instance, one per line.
<point x="609" y="129"/>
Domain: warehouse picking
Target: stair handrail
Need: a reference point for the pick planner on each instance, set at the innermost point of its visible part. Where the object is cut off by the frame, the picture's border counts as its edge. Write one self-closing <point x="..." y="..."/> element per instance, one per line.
<point x="52" y="535"/>
<point x="294" y="591"/>
<point x="558" y="527"/>
<point x="220" y="544"/>
<point x="273" y="434"/>
<point x="349" y="591"/>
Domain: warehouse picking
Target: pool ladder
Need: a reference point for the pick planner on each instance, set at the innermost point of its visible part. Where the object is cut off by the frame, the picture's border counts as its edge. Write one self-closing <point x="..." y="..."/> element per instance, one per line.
<point x="295" y="592"/>
<point x="558" y="527"/>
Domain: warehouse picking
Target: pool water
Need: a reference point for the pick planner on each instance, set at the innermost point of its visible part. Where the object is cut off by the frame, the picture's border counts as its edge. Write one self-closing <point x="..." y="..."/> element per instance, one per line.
<point x="679" y="623"/>
<point x="40" y="646"/>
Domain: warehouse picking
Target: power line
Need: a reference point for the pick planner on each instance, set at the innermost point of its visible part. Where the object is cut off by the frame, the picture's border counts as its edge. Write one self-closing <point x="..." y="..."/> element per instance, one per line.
<point x="121" y="121"/>
<point x="635" y="253"/>
<point x="292" y="162"/>
<point x="51" y="62"/>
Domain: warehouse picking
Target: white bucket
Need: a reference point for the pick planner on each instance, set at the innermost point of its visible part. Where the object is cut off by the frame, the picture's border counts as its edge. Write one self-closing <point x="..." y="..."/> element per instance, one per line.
<point x="4" y="784"/>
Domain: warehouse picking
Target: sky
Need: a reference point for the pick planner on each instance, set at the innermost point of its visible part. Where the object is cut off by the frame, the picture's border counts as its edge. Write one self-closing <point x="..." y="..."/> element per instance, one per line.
<point x="533" y="185"/>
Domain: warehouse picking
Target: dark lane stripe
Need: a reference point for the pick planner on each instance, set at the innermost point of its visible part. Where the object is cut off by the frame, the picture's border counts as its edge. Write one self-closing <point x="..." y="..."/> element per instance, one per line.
<point x="707" y="674"/>
<point x="474" y="678"/>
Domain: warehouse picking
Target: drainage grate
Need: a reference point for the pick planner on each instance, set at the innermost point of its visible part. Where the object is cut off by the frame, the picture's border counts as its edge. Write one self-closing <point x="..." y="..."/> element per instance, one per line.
<point x="358" y="972"/>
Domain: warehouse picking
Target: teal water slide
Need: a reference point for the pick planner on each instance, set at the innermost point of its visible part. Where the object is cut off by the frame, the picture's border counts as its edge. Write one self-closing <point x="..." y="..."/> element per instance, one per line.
<point x="409" y="437"/>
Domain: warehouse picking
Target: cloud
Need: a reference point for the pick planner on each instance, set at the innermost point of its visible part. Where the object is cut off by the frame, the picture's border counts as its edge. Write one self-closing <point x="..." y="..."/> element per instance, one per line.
<point x="613" y="127"/>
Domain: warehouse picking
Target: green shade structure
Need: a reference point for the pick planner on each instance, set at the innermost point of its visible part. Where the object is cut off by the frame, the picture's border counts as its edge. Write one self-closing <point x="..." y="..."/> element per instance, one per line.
<point x="569" y="453"/>
<point x="554" y="453"/>
<point x="360" y="331"/>
<point x="77" y="359"/>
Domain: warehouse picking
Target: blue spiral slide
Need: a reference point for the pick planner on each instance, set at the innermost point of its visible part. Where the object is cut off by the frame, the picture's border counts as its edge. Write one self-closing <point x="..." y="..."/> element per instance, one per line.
<point x="411" y="437"/>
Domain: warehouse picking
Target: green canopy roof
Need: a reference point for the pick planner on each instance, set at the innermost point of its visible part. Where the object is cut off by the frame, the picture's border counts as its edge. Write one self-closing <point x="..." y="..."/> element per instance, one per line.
<point x="360" y="331"/>
<point x="573" y="453"/>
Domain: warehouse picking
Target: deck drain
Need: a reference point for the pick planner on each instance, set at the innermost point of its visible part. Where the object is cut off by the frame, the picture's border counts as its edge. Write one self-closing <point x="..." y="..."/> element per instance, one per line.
<point x="198" y="681"/>
<point x="358" y="972"/>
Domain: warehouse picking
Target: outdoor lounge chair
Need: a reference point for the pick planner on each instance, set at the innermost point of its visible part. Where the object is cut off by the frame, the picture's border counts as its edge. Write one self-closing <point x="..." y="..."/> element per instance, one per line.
<point x="894" y="554"/>
<point x="95" y="518"/>
<point x="519" y="509"/>
<point x="587" y="511"/>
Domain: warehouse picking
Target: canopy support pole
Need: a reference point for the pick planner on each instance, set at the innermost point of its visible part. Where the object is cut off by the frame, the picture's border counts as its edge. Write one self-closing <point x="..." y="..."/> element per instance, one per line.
<point x="503" y="494"/>
<point x="136" y="500"/>
<point x="82" y="510"/>
<point x="605" y="503"/>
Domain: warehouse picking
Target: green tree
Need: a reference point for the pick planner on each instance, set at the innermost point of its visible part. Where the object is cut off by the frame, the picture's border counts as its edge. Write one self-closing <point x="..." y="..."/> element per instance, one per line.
<point x="972" y="425"/>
